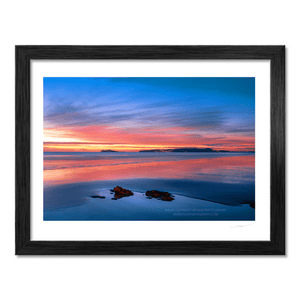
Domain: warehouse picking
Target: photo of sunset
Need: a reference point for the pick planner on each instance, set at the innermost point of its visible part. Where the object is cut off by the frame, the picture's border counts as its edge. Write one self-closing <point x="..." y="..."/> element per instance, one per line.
<point x="149" y="148"/>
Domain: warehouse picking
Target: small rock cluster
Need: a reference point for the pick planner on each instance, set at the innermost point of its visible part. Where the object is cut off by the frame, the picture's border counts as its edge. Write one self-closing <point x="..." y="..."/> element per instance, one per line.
<point x="119" y="193"/>
<point x="165" y="196"/>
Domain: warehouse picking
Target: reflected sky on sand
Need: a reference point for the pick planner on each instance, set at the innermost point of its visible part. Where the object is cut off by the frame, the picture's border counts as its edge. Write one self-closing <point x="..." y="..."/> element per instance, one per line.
<point x="225" y="179"/>
<point x="226" y="168"/>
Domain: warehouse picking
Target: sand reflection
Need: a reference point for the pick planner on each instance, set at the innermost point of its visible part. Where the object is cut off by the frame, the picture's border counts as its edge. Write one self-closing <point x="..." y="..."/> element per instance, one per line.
<point x="224" y="169"/>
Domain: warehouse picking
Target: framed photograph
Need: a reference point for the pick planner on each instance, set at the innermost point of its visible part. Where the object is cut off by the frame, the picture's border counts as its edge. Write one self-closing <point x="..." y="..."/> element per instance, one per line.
<point x="150" y="150"/>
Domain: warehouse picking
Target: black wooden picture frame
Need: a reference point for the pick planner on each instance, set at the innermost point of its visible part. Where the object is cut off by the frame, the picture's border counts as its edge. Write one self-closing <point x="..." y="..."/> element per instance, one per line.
<point x="25" y="246"/>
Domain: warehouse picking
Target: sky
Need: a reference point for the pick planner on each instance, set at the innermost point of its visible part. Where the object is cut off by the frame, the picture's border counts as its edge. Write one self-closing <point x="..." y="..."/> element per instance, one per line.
<point x="132" y="114"/>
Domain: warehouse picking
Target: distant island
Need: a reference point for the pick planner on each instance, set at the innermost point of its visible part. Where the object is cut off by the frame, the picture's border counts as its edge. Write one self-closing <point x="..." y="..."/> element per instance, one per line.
<point x="108" y="150"/>
<point x="191" y="150"/>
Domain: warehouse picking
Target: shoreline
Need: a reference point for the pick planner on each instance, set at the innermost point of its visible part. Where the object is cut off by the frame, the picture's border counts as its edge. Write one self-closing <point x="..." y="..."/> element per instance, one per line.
<point x="139" y="207"/>
<point x="216" y="192"/>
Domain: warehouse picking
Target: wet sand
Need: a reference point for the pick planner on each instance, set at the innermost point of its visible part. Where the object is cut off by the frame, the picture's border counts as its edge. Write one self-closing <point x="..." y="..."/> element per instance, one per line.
<point x="140" y="207"/>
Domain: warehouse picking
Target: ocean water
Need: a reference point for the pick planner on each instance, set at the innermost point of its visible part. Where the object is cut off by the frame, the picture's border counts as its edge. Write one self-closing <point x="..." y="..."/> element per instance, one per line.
<point x="206" y="186"/>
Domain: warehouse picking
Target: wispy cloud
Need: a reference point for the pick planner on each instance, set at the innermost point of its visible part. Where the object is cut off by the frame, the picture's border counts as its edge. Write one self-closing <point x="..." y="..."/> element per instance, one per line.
<point x="148" y="111"/>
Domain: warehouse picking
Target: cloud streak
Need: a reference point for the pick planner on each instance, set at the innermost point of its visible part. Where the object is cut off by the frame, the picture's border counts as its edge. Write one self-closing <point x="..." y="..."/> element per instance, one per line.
<point x="145" y="112"/>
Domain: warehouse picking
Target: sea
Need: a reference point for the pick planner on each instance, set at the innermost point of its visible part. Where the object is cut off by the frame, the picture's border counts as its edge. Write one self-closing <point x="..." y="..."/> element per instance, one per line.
<point x="206" y="186"/>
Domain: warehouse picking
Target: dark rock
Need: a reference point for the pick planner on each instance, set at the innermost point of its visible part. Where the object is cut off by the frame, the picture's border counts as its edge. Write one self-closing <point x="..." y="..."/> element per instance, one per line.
<point x="251" y="204"/>
<point x="114" y="199"/>
<point x="101" y="197"/>
<point x="164" y="196"/>
<point x="120" y="192"/>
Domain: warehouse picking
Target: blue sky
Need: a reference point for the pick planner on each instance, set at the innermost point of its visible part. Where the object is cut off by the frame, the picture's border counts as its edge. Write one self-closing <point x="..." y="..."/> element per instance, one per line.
<point x="199" y="107"/>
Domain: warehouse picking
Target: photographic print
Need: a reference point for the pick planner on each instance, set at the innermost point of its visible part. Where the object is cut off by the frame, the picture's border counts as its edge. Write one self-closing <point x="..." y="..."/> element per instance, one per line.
<point x="149" y="148"/>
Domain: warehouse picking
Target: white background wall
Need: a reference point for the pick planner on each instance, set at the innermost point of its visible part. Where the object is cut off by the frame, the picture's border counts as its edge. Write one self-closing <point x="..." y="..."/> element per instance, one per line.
<point x="147" y="23"/>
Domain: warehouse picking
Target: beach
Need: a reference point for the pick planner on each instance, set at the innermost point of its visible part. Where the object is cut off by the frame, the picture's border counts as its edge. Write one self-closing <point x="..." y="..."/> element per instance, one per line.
<point x="205" y="186"/>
